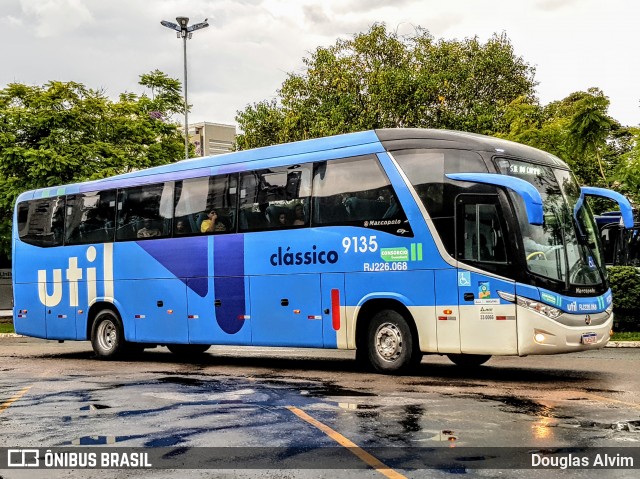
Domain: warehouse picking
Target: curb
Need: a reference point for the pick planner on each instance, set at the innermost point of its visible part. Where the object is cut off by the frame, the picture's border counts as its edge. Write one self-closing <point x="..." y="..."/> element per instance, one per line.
<point x="623" y="344"/>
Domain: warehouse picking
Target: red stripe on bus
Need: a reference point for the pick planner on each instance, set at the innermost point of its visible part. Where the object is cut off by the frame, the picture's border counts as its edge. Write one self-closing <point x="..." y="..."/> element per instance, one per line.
<point x="335" y="308"/>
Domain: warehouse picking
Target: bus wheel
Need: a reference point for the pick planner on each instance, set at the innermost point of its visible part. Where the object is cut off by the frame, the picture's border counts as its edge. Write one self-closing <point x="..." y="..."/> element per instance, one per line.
<point x="188" y="350"/>
<point x="107" y="335"/>
<point x="469" y="360"/>
<point x="390" y="343"/>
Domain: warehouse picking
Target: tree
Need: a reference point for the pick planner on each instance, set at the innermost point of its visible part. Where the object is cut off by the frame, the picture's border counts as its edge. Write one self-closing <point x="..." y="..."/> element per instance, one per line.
<point x="577" y="129"/>
<point x="380" y="79"/>
<point x="65" y="132"/>
<point x="628" y="171"/>
<point x="590" y="127"/>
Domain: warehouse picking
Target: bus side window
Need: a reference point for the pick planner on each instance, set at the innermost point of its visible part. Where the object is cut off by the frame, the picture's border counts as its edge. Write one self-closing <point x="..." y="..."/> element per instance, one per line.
<point x="275" y="198"/>
<point x="43" y="221"/>
<point x="145" y="212"/>
<point x="356" y="191"/>
<point x="196" y="198"/>
<point x="90" y="217"/>
<point x="482" y="237"/>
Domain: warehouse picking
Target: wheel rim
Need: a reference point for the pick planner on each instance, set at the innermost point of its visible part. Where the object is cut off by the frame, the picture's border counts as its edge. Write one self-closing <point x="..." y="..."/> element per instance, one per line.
<point x="389" y="342"/>
<point x="107" y="335"/>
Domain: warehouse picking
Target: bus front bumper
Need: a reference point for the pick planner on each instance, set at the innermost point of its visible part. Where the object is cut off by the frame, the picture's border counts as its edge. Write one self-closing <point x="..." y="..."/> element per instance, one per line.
<point x="538" y="334"/>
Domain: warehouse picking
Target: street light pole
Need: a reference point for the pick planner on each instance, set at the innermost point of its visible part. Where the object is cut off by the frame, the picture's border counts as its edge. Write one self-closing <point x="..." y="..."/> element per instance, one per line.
<point x="185" y="32"/>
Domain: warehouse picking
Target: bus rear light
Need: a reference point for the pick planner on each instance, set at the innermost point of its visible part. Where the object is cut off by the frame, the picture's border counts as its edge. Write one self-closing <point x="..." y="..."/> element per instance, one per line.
<point x="447" y="311"/>
<point x="296" y="311"/>
<point x="169" y="311"/>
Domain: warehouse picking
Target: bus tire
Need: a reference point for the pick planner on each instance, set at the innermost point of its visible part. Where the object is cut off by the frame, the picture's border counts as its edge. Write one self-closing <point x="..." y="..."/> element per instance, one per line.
<point x="188" y="350"/>
<point x="107" y="335"/>
<point x="469" y="360"/>
<point x="390" y="343"/>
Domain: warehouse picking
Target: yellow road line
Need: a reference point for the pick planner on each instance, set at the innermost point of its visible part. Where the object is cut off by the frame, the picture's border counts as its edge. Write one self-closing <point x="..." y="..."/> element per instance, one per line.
<point x="9" y="402"/>
<point x="611" y="400"/>
<point x="363" y="455"/>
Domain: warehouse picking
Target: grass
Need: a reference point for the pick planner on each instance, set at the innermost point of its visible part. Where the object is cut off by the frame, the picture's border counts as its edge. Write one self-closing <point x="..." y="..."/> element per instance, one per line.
<point x="635" y="336"/>
<point x="6" y="327"/>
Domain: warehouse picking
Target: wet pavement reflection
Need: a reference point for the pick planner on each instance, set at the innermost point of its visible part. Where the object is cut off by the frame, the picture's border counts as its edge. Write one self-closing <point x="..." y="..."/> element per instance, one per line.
<point x="180" y="405"/>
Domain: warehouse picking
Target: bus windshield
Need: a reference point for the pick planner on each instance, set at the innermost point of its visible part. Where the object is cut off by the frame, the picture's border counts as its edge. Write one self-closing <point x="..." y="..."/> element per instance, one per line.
<point x="566" y="246"/>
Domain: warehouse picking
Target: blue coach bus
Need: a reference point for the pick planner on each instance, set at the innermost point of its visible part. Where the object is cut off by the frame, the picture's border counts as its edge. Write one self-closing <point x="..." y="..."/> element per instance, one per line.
<point x="394" y="242"/>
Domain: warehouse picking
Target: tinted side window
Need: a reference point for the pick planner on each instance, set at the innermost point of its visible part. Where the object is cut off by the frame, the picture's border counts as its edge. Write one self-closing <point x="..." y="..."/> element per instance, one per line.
<point x="425" y="169"/>
<point x="275" y="198"/>
<point x="482" y="238"/>
<point x="91" y="217"/>
<point x="355" y="191"/>
<point x="41" y="221"/>
<point x="145" y="212"/>
<point x="205" y="205"/>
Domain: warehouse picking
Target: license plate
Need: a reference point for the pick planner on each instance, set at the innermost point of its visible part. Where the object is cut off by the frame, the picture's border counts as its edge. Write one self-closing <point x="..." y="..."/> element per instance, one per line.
<point x="589" y="338"/>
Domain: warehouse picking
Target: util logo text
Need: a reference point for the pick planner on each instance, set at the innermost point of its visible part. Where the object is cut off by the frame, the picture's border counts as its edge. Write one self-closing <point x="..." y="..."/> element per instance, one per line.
<point x="74" y="274"/>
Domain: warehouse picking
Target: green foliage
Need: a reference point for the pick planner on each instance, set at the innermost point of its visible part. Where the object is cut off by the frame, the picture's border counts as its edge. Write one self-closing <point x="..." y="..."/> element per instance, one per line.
<point x="625" y="287"/>
<point x="628" y="170"/>
<point x="65" y="132"/>
<point x="6" y="327"/>
<point x="380" y="79"/>
<point x="579" y="130"/>
<point x="626" y="336"/>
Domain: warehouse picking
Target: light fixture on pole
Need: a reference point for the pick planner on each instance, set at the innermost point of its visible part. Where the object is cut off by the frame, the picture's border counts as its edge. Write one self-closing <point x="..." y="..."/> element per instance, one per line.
<point x="185" y="32"/>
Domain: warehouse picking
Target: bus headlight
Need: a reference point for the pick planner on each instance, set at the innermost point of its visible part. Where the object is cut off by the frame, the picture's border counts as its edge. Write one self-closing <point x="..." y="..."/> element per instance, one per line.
<point x="538" y="307"/>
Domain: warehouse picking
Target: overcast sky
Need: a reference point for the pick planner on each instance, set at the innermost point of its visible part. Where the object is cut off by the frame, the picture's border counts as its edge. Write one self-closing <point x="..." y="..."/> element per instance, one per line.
<point x="245" y="54"/>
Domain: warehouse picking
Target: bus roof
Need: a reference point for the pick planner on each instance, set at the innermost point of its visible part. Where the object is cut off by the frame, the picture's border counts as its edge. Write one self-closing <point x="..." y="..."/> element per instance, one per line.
<point x="378" y="140"/>
<point x="395" y="138"/>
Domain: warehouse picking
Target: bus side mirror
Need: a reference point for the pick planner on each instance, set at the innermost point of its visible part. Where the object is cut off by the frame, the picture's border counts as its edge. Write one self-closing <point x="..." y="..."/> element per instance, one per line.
<point x="528" y="192"/>
<point x="625" y="207"/>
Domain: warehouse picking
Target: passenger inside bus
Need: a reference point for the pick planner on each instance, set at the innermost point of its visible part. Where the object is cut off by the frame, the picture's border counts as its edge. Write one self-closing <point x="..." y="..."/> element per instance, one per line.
<point x="212" y="224"/>
<point x="148" y="230"/>
<point x="299" y="215"/>
<point x="181" y="228"/>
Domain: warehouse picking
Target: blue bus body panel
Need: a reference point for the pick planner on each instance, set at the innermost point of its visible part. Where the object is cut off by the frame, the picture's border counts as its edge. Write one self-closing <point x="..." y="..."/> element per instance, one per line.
<point x="574" y="305"/>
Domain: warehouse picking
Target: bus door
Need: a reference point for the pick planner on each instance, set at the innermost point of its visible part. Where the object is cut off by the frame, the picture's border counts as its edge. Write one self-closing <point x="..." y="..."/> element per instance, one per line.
<point x="286" y="310"/>
<point x="487" y="322"/>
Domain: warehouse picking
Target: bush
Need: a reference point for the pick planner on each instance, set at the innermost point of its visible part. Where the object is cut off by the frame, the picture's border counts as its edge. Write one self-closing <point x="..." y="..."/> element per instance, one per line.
<point x="625" y="286"/>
